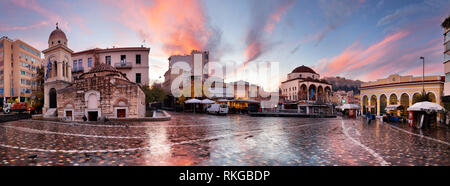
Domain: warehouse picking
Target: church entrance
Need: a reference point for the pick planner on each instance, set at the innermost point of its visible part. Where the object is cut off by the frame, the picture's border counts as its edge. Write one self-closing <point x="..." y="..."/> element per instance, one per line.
<point x="52" y="97"/>
<point x="92" y="115"/>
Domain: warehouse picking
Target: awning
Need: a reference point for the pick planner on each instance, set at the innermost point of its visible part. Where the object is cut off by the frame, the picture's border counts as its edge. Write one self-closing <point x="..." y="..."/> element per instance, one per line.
<point x="394" y="107"/>
<point x="350" y="107"/>
<point x="245" y="100"/>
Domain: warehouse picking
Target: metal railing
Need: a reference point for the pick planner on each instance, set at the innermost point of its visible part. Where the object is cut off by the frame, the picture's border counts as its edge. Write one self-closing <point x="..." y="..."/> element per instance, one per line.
<point x="78" y="69"/>
<point x="123" y="65"/>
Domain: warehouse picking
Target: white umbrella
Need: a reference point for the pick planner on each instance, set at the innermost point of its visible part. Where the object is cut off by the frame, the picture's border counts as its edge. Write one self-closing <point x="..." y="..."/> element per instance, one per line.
<point x="223" y="100"/>
<point x="426" y="106"/>
<point x="207" y="101"/>
<point x="193" y="101"/>
<point x="350" y="106"/>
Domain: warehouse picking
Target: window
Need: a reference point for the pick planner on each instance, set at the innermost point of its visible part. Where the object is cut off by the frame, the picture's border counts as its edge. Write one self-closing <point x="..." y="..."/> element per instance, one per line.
<point x="447" y="56"/>
<point x="123" y="59"/>
<point x="22" y="72"/>
<point x="138" y="59"/>
<point x="80" y="64"/>
<point x="29" y="49"/>
<point x="89" y="62"/>
<point x="74" y="65"/>
<point x="108" y="60"/>
<point x="138" y="77"/>
<point x="447" y="77"/>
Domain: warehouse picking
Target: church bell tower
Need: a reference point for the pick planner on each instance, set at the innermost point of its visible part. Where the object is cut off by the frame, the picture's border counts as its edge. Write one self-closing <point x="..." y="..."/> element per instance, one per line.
<point x="58" y="70"/>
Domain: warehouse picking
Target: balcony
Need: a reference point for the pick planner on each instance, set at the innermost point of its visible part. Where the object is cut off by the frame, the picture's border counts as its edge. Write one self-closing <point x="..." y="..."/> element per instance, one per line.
<point x="78" y="69"/>
<point x="123" y="65"/>
<point x="447" y="47"/>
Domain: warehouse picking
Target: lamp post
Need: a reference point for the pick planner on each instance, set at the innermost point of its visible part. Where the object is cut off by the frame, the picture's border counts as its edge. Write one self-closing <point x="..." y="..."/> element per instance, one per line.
<point x="423" y="73"/>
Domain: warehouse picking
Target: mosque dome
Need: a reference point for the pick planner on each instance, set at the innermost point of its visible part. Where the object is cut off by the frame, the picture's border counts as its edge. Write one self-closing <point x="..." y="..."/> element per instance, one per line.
<point x="303" y="69"/>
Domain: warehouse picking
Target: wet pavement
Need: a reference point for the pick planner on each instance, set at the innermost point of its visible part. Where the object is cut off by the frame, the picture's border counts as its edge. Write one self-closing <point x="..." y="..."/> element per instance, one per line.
<point x="200" y="139"/>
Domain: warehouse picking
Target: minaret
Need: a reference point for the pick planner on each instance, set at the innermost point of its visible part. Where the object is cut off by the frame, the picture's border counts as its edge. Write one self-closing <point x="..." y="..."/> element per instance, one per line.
<point x="58" y="68"/>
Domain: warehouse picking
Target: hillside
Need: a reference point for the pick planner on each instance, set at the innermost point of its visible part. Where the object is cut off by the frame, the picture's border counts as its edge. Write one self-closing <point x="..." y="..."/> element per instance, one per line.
<point x="340" y="83"/>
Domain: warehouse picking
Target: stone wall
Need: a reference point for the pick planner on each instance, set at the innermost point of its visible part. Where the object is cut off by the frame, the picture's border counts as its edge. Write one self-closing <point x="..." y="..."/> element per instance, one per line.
<point x="114" y="92"/>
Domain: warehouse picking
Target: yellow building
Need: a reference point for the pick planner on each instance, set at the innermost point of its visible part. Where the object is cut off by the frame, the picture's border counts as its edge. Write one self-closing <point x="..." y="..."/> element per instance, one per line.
<point x="399" y="90"/>
<point x="19" y="63"/>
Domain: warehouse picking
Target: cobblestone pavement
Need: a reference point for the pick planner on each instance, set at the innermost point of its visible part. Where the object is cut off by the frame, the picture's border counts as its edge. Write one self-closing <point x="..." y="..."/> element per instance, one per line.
<point x="200" y="139"/>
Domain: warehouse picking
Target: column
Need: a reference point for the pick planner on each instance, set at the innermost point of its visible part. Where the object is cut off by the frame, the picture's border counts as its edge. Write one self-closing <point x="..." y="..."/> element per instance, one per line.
<point x="362" y="103"/>
<point x="59" y="70"/>
<point x="378" y="106"/>
<point x="69" y="75"/>
<point x="307" y="93"/>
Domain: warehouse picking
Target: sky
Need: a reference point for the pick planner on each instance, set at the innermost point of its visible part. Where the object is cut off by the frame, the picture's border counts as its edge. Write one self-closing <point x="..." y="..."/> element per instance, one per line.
<point x="355" y="39"/>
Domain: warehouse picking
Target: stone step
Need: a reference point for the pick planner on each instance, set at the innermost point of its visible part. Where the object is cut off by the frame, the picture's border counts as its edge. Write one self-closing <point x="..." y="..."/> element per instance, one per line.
<point x="50" y="113"/>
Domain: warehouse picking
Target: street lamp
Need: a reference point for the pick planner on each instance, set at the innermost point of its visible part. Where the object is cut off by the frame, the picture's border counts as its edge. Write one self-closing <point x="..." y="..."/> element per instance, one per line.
<point x="423" y="73"/>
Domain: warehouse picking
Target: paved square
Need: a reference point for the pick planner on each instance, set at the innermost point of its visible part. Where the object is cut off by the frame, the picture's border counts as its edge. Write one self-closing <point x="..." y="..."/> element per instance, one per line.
<point x="199" y="139"/>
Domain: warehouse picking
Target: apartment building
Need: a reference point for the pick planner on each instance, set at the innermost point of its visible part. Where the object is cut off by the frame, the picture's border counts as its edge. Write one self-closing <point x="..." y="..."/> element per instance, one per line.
<point x="19" y="63"/>
<point x="132" y="61"/>
<point x="196" y="57"/>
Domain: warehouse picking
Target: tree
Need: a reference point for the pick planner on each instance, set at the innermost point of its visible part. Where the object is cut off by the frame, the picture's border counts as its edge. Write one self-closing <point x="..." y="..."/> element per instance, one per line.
<point x="154" y="94"/>
<point x="38" y="94"/>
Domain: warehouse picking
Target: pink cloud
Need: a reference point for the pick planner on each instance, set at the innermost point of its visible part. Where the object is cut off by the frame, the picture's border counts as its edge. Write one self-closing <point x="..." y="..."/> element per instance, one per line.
<point x="275" y="17"/>
<point x="355" y="56"/>
<point x="27" y="27"/>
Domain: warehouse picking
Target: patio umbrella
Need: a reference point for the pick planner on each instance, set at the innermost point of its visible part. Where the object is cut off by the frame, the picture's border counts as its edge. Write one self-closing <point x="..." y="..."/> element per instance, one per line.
<point x="350" y="106"/>
<point x="426" y="106"/>
<point x="223" y="100"/>
<point x="207" y="101"/>
<point x="194" y="101"/>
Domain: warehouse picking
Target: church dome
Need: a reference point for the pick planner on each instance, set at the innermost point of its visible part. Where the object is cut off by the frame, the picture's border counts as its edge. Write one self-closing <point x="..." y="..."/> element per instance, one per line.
<point x="57" y="37"/>
<point x="303" y="69"/>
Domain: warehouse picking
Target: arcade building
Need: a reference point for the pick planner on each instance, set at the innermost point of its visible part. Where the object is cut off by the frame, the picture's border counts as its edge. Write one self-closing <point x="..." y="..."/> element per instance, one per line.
<point x="305" y="93"/>
<point x="103" y="91"/>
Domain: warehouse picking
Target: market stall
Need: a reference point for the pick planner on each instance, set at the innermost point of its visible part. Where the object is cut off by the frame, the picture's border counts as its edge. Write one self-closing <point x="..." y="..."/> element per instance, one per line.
<point x="424" y="114"/>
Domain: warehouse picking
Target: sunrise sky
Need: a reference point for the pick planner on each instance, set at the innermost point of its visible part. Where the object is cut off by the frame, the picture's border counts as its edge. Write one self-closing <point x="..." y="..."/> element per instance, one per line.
<point x="357" y="39"/>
